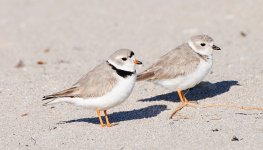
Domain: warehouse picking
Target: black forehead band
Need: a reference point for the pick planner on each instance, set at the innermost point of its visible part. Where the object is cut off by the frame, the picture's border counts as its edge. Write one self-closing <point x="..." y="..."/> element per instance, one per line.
<point x="132" y="53"/>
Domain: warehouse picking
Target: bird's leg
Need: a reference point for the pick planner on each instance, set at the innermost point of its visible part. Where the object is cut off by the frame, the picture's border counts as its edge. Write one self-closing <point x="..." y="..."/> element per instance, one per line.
<point x="107" y="119"/>
<point x="184" y="102"/>
<point x="101" y="122"/>
<point x="181" y="106"/>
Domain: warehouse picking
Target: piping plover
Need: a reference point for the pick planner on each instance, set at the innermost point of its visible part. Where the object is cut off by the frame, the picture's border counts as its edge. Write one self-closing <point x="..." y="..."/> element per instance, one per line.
<point x="104" y="87"/>
<point x="183" y="67"/>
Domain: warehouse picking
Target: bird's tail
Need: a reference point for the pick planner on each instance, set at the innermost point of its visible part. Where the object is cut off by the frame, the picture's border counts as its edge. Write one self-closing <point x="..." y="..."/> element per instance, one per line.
<point x="60" y="96"/>
<point x="145" y="76"/>
<point x="139" y="77"/>
<point x="53" y="101"/>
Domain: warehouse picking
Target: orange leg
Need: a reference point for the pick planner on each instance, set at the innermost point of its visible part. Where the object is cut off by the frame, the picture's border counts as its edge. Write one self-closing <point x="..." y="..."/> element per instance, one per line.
<point x="184" y="102"/>
<point x="189" y="104"/>
<point x="107" y="119"/>
<point x="101" y="122"/>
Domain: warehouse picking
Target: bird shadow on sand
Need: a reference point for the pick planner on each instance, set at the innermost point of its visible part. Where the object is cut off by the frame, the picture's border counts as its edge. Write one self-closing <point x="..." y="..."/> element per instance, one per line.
<point x="147" y="112"/>
<point x="199" y="92"/>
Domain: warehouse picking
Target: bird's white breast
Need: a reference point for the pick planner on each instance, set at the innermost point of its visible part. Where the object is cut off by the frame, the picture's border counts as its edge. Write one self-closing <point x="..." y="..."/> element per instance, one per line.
<point x="190" y="80"/>
<point x="117" y="95"/>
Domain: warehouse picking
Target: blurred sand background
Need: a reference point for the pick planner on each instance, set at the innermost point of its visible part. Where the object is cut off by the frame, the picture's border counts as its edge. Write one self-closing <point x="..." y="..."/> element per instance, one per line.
<point x="56" y="42"/>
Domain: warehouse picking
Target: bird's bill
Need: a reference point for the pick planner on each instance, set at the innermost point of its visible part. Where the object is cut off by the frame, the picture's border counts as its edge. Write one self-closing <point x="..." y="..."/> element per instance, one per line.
<point x="216" y="47"/>
<point x="137" y="62"/>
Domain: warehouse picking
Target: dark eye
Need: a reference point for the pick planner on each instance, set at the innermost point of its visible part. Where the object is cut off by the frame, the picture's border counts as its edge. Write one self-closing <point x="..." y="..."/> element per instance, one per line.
<point x="202" y="44"/>
<point x="124" y="59"/>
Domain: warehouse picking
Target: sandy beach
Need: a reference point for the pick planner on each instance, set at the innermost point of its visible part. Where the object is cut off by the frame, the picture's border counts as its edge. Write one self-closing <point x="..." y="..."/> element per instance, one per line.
<point x="46" y="46"/>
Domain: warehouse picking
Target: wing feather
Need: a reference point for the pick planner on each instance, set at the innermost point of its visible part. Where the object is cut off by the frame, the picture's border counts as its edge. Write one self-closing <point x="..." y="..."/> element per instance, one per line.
<point x="177" y="62"/>
<point x="95" y="83"/>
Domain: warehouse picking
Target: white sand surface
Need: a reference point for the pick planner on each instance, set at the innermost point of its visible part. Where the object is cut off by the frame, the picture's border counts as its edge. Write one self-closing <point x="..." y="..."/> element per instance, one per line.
<point x="72" y="36"/>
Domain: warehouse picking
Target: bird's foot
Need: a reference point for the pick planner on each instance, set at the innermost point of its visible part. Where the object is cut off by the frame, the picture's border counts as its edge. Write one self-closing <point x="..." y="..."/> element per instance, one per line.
<point x="191" y="104"/>
<point x="185" y="103"/>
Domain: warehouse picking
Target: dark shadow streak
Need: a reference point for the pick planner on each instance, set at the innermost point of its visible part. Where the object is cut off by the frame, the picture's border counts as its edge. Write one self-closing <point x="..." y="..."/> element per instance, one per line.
<point x="147" y="112"/>
<point x="199" y="92"/>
